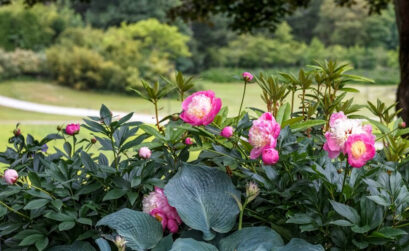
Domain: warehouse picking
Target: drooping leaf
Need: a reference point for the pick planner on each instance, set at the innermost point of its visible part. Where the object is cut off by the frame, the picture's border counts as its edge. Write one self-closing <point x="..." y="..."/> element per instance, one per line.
<point x="297" y="244"/>
<point x="140" y="230"/>
<point x="252" y="238"/>
<point x="203" y="198"/>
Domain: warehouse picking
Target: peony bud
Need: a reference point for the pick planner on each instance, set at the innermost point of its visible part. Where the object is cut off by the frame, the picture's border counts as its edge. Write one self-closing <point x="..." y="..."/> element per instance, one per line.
<point x="93" y="140"/>
<point x="120" y="242"/>
<point x="174" y="117"/>
<point x="252" y="191"/>
<point x="402" y="125"/>
<point x="270" y="156"/>
<point x="10" y="176"/>
<point x="72" y="129"/>
<point x="227" y="132"/>
<point x="17" y="132"/>
<point x="59" y="128"/>
<point x="247" y="76"/>
<point x="189" y="141"/>
<point x="145" y="152"/>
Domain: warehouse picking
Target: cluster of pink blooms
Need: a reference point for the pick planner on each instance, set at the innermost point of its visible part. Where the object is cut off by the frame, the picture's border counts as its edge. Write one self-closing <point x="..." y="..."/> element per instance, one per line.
<point x="10" y="176"/>
<point x="200" y="108"/>
<point x="156" y="204"/>
<point x="72" y="129"/>
<point x="350" y="137"/>
<point x="263" y="137"/>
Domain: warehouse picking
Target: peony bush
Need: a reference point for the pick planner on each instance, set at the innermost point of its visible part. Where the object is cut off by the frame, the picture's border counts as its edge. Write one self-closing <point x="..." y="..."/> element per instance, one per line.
<point x="309" y="172"/>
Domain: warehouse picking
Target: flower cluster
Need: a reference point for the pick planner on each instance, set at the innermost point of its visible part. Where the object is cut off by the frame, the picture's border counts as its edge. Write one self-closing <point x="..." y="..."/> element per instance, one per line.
<point x="350" y="137"/>
<point x="156" y="204"/>
<point x="263" y="137"/>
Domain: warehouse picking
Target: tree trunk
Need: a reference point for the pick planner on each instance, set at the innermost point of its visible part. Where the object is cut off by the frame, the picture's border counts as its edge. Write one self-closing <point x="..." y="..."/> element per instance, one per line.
<point x="402" y="21"/>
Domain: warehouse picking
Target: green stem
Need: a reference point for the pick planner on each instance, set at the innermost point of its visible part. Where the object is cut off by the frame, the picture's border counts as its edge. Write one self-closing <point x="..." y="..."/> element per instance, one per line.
<point x="13" y="210"/>
<point x="157" y="115"/>
<point x="73" y="146"/>
<point x="345" y="177"/>
<point x="292" y="102"/>
<point x="113" y="150"/>
<point x="241" y="215"/>
<point x="242" y="99"/>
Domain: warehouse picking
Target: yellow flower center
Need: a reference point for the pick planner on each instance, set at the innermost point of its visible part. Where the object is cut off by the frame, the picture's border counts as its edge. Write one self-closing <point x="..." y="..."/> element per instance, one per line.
<point x="200" y="106"/>
<point x="357" y="149"/>
<point x="158" y="218"/>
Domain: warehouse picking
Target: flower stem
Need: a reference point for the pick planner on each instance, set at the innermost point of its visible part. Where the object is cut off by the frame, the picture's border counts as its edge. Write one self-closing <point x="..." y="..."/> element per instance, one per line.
<point x="73" y="146"/>
<point x="241" y="215"/>
<point x="157" y="115"/>
<point x="242" y="99"/>
<point x="13" y="210"/>
<point x="345" y="177"/>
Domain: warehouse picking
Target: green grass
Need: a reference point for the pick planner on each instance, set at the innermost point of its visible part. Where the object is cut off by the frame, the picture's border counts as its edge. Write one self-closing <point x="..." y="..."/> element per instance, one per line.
<point x="48" y="93"/>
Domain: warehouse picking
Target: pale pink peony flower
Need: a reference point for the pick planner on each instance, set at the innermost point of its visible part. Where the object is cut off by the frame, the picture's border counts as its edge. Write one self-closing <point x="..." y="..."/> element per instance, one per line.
<point x="340" y="129"/>
<point x="247" y="76"/>
<point x="200" y="108"/>
<point x="360" y="148"/>
<point x="189" y="141"/>
<point x="10" y="176"/>
<point x="269" y="156"/>
<point x="156" y="204"/>
<point x="145" y="152"/>
<point x="72" y="129"/>
<point x="227" y="132"/>
<point x="263" y="133"/>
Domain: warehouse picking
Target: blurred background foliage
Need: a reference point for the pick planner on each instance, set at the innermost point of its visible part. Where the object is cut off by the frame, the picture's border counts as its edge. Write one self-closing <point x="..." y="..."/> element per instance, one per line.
<point x="112" y="44"/>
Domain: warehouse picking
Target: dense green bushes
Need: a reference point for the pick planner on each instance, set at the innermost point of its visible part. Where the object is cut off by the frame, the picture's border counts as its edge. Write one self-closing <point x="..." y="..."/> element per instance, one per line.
<point x="21" y="62"/>
<point x="33" y="28"/>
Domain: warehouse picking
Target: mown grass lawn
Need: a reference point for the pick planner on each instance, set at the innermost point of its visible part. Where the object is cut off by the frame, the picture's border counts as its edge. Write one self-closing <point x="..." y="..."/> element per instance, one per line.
<point x="40" y="124"/>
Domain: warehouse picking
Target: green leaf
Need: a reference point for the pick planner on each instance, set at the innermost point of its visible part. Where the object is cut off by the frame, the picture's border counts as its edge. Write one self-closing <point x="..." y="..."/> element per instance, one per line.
<point x="342" y="223"/>
<point x="114" y="194"/>
<point x="348" y="212"/>
<point x="379" y="200"/>
<point x="36" y="204"/>
<point x="203" y="198"/>
<point x="152" y="131"/>
<point x="283" y="113"/>
<point x="165" y="244"/>
<point x="251" y="238"/>
<point x="182" y="244"/>
<point x="103" y="244"/>
<point x="66" y="225"/>
<point x="77" y="246"/>
<point x="296" y="244"/>
<point x="348" y="89"/>
<point x="85" y="221"/>
<point x="140" y="230"/>
<point x="31" y="239"/>
<point x="307" y="124"/>
<point x="42" y="243"/>
<point x="106" y="115"/>
<point x="389" y="233"/>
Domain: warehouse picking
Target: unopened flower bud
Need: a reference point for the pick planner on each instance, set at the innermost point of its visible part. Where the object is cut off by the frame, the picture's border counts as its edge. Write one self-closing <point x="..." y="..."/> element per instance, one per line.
<point x="174" y="117"/>
<point x="402" y="124"/>
<point x="227" y="132"/>
<point x="252" y="191"/>
<point x="93" y="140"/>
<point x="145" y="152"/>
<point x="339" y="171"/>
<point x="17" y="132"/>
<point x="59" y="128"/>
<point x="120" y="242"/>
<point x="189" y="141"/>
<point x="10" y="176"/>
<point x="247" y="76"/>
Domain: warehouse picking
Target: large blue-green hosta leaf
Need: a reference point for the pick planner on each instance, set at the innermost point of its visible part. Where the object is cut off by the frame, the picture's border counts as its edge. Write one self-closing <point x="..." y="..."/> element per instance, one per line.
<point x="251" y="238"/>
<point x="203" y="197"/>
<point x="191" y="244"/>
<point x="140" y="230"/>
<point x="296" y="244"/>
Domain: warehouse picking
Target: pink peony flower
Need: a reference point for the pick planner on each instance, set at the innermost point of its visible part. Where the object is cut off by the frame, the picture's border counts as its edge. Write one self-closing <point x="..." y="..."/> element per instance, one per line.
<point x="156" y="204"/>
<point x="227" y="132"/>
<point x="360" y="149"/>
<point x="10" y="176"/>
<point x="189" y="141"/>
<point x="340" y="129"/>
<point x="145" y="152"/>
<point x="72" y="129"/>
<point x="263" y="133"/>
<point x="200" y="108"/>
<point x="270" y="156"/>
<point x="247" y="76"/>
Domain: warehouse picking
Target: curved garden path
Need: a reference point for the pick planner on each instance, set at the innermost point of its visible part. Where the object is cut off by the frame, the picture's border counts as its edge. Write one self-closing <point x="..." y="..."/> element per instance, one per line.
<point x="67" y="111"/>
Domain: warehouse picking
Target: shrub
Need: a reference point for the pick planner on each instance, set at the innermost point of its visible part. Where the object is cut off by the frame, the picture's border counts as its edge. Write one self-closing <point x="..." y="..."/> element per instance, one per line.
<point x="21" y="62"/>
<point x="288" y="178"/>
<point x="82" y="68"/>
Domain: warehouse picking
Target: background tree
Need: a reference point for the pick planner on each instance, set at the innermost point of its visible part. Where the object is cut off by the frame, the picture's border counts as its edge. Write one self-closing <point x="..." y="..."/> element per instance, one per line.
<point x="249" y="15"/>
